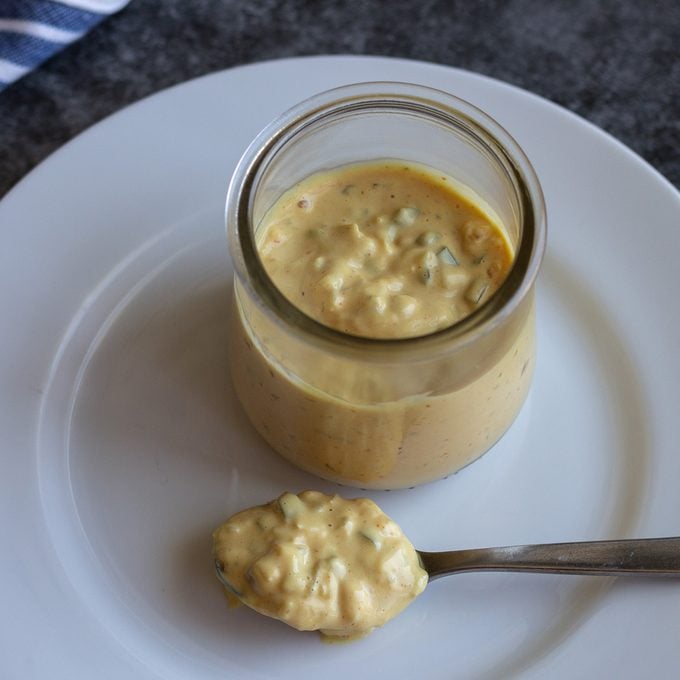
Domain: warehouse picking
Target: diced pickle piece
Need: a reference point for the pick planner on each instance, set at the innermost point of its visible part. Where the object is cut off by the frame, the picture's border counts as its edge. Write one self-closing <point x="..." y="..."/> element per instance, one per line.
<point x="373" y="535"/>
<point x="291" y="505"/>
<point x="391" y="232"/>
<point x="405" y="217"/>
<point x="427" y="238"/>
<point x="447" y="257"/>
<point x="475" y="292"/>
<point x="428" y="263"/>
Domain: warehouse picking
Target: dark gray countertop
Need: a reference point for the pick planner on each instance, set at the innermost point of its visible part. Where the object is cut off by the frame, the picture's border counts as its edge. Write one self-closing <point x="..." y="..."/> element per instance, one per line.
<point x="614" y="62"/>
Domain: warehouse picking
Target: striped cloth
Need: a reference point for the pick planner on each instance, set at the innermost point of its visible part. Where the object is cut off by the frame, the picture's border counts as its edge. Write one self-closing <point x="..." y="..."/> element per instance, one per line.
<point x="31" y="31"/>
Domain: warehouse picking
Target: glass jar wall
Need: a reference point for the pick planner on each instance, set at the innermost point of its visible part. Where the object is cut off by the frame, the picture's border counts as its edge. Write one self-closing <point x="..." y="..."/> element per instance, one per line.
<point x="383" y="413"/>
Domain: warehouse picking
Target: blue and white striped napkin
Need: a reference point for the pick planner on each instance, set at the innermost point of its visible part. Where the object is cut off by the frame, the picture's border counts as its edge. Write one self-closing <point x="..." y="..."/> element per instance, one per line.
<point x="31" y="31"/>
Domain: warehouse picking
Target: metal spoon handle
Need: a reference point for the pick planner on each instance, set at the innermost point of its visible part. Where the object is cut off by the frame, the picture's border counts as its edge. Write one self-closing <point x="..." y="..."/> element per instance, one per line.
<point x="641" y="557"/>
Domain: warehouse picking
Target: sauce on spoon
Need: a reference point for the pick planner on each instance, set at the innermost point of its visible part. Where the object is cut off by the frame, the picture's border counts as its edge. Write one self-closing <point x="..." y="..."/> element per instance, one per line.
<point x="319" y="562"/>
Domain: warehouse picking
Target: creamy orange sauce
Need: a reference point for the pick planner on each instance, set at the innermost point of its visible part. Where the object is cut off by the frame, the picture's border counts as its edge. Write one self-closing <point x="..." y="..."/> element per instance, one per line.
<point x="383" y="250"/>
<point x="373" y="266"/>
<point x="319" y="562"/>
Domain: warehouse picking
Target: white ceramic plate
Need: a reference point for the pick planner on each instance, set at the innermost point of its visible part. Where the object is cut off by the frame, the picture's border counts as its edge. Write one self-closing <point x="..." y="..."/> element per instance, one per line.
<point x="123" y="446"/>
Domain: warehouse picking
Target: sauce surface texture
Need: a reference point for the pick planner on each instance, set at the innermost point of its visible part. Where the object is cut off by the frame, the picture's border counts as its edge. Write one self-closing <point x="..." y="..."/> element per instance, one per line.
<point x="383" y="250"/>
<point x="320" y="562"/>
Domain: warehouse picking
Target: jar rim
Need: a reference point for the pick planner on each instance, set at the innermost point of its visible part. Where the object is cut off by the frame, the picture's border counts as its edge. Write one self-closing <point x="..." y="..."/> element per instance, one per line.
<point x="386" y="96"/>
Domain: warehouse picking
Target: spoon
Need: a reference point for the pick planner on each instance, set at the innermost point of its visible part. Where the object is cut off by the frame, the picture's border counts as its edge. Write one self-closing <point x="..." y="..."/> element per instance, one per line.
<point x="629" y="557"/>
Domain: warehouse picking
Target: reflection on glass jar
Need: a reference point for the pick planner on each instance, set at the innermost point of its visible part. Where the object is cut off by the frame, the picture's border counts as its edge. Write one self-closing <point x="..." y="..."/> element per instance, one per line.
<point x="384" y="413"/>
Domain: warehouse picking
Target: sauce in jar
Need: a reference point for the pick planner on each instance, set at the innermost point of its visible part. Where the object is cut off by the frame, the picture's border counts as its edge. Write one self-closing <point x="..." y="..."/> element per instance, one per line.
<point x="383" y="326"/>
<point x="383" y="250"/>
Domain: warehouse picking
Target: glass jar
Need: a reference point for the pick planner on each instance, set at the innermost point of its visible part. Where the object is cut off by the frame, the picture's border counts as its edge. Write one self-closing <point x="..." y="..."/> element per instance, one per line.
<point x="383" y="414"/>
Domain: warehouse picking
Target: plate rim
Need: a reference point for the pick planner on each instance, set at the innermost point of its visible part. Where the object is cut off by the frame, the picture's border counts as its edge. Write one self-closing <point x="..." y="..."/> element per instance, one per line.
<point x="55" y="156"/>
